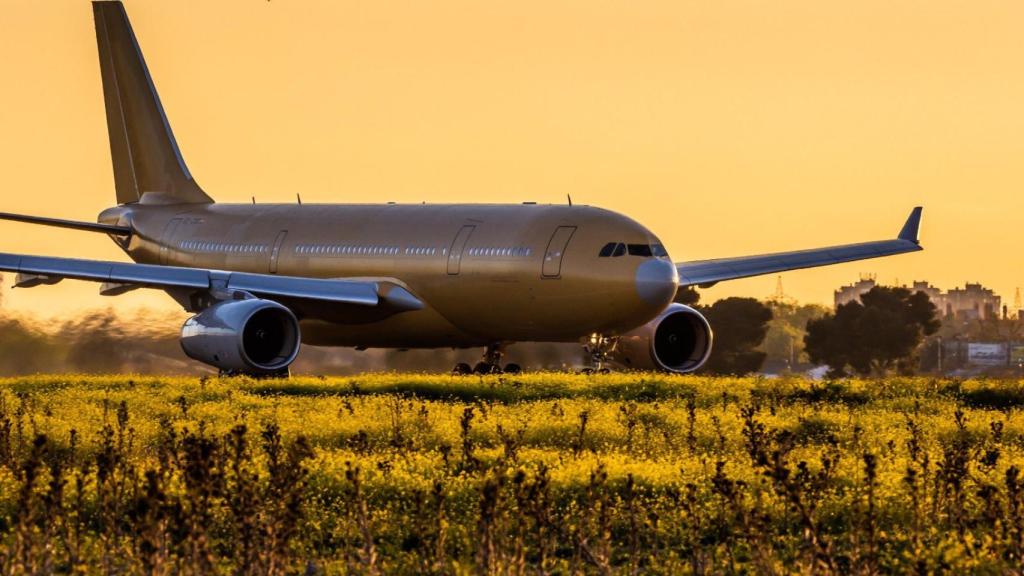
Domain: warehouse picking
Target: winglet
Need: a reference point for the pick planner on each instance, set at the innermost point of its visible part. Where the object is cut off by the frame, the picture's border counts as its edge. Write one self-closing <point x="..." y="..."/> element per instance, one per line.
<point x="912" y="227"/>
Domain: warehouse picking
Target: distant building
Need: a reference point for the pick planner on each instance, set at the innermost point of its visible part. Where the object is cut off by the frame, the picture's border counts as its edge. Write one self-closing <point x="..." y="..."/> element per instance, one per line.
<point x="972" y="302"/>
<point x="934" y="294"/>
<point x="853" y="292"/>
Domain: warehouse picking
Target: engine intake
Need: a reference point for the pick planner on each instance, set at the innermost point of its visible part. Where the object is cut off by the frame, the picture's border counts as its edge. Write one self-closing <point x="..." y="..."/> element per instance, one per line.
<point x="250" y="336"/>
<point x="678" y="340"/>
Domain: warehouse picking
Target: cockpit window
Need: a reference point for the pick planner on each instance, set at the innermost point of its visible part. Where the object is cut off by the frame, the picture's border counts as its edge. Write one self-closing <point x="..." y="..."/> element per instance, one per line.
<point x="616" y="249"/>
<point x="640" y="250"/>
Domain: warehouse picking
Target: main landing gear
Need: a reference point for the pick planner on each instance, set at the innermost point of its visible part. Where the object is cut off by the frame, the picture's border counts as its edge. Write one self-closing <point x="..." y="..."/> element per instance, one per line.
<point x="599" y="348"/>
<point x="490" y="364"/>
<point x="282" y="374"/>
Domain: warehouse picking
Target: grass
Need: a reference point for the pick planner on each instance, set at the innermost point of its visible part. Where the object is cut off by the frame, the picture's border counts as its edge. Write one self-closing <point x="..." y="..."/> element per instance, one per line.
<point x="536" y="473"/>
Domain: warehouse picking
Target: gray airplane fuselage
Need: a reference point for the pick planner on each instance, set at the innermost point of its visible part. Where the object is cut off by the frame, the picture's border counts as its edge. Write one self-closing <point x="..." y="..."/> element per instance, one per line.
<point x="486" y="273"/>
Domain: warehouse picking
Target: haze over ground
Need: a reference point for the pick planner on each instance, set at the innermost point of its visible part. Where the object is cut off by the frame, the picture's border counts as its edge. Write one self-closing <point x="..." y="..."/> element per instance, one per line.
<point x="728" y="128"/>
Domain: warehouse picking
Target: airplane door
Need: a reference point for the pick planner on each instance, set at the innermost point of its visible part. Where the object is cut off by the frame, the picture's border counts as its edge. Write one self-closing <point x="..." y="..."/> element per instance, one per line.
<point x="168" y="237"/>
<point x="455" y="254"/>
<point x="275" y="252"/>
<point x="556" y="250"/>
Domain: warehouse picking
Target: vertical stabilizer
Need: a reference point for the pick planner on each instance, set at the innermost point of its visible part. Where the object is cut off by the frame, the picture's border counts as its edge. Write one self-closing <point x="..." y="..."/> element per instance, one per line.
<point x="142" y="146"/>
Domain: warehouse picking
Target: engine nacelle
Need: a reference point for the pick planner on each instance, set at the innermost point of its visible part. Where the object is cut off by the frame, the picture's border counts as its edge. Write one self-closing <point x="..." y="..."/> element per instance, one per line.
<point x="679" y="340"/>
<point x="251" y="336"/>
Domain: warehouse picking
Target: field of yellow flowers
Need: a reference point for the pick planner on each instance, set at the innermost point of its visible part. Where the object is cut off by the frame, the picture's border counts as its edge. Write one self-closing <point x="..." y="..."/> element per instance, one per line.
<point x="536" y="473"/>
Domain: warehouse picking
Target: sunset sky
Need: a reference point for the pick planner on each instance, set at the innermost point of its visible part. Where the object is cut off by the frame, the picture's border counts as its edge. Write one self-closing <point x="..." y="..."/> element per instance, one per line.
<point x="728" y="128"/>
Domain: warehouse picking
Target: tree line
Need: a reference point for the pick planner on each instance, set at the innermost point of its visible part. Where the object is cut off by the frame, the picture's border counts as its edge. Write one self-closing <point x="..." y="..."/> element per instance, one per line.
<point x="878" y="335"/>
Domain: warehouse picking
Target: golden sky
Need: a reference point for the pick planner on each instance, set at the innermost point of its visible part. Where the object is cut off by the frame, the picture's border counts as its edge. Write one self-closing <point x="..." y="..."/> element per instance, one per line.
<point x="726" y="127"/>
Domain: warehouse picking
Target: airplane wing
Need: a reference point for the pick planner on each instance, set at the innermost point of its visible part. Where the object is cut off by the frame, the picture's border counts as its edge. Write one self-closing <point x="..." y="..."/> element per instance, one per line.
<point x="36" y="270"/>
<point x="707" y="273"/>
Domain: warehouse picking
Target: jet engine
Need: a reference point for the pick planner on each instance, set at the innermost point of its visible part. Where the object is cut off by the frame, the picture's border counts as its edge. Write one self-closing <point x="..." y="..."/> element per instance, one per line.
<point x="678" y="340"/>
<point x="251" y="336"/>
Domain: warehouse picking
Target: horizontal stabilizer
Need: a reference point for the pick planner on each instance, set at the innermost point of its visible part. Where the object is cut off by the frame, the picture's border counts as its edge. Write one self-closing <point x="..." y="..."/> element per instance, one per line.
<point x="73" y="224"/>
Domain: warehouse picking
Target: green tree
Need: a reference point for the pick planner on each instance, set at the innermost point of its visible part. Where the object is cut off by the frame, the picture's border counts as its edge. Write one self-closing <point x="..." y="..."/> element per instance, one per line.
<point x="784" y="343"/>
<point x="880" y="333"/>
<point x="24" y="349"/>
<point x="740" y="325"/>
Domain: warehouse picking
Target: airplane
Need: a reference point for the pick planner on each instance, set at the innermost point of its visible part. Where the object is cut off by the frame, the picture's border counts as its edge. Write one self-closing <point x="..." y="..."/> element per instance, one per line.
<point x="262" y="279"/>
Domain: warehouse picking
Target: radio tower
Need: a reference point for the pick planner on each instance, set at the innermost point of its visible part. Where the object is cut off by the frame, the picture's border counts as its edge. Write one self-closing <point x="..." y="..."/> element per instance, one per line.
<point x="1018" y="304"/>
<point x="779" y="296"/>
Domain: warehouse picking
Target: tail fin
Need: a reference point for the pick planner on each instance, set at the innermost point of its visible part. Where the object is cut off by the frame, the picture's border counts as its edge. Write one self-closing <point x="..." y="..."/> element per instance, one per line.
<point x="145" y="154"/>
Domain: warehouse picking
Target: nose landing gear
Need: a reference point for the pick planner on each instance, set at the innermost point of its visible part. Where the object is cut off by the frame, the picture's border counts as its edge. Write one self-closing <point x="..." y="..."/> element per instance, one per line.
<point x="599" y="348"/>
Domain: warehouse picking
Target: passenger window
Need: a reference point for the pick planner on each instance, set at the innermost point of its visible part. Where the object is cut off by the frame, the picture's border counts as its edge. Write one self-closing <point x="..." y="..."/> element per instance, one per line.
<point x="640" y="250"/>
<point x="620" y="250"/>
<point x="659" y="250"/>
<point x="607" y="250"/>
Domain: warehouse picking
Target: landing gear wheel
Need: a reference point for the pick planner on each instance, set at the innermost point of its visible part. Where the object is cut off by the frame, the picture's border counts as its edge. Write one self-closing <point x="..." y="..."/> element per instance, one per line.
<point x="462" y="369"/>
<point x="491" y="362"/>
<point x="513" y="368"/>
<point x="485" y="368"/>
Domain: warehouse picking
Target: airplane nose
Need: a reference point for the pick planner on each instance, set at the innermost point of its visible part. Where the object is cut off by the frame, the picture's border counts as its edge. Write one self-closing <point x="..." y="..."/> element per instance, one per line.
<point x="656" y="281"/>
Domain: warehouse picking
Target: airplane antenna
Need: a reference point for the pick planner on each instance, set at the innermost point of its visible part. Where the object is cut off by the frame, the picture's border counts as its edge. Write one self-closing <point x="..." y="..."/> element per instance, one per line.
<point x="569" y="196"/>
<point x="299" y="198"/>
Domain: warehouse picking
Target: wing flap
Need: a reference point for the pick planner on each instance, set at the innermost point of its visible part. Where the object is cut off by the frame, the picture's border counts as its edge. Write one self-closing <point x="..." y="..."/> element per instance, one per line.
<point x="706" y="273"/>
<point x="99" y="271"/>
<point x="342" y="291"/>
<point x="149" y="275"/>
